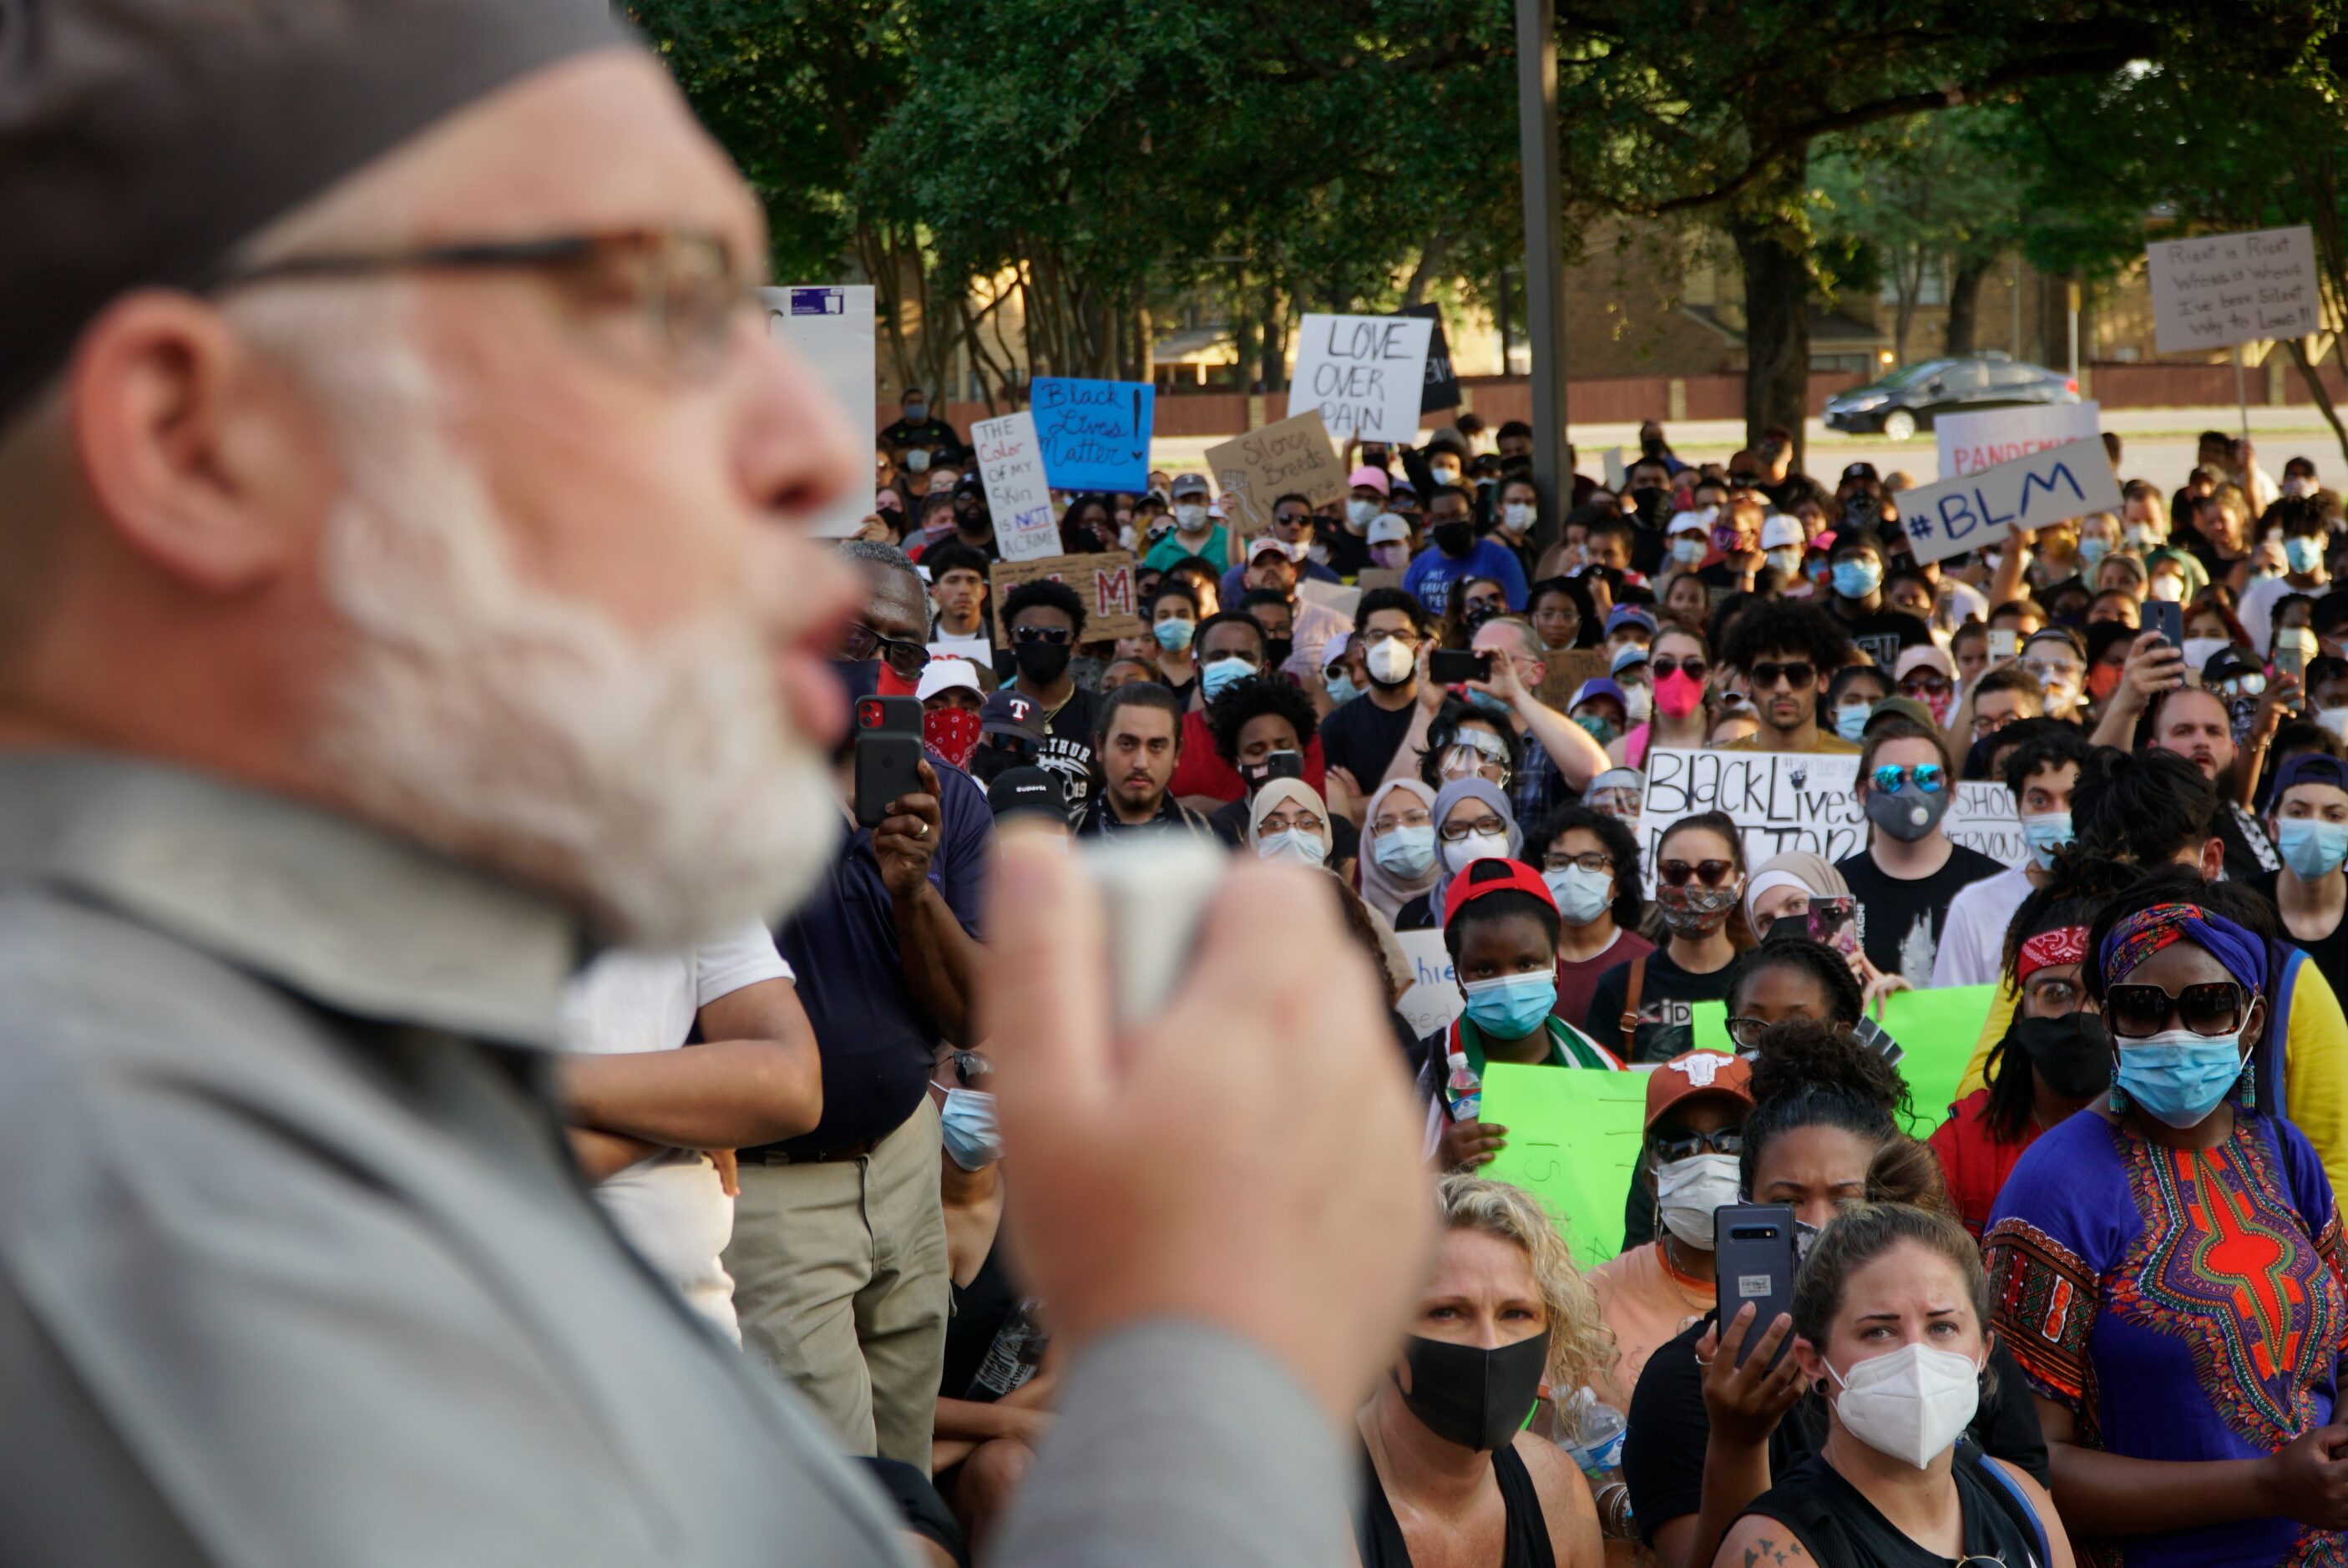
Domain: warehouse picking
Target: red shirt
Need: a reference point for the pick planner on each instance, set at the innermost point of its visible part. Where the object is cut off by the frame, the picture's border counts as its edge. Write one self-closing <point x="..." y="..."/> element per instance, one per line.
<point x="1203" y="771"/>
<point x="1975" y="1165"/>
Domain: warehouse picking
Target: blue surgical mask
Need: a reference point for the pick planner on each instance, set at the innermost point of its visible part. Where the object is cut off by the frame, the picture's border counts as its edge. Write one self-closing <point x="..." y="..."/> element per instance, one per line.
<point x="1295" y="845"/>
<point x="1406" y="853"/>
<point x="966" y="1122"/>
<point x="1485" y="702"/>
<point x="2177" y="1075"/>
<point x="1341" y="689"/>
<point x="1851" y="722"/>
<point x="1687" y="549"/>
<point x="1581" y="896"/>
<point x="2312" y="848"/>
<point x="1512" y="1006"/>
<point x="1175" y="635"/>
<point x="2304" y="555"/>
<point x="1857" y="579"/>
<point x="2092" y="551"/>
<point x="1219" y="678"/>
<point x="2047" y="832"/>
<point x="916" y="412"/>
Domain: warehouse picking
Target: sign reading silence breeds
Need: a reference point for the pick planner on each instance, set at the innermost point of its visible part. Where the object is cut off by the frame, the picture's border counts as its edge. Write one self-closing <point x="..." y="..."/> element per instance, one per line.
<point x="1981" y="508"/>
<point x="1011" y="465"/>
<point x="1293" y="455"/>
<point x="1365" y="373"/>
<point x="1095" y="434"/>
<point x="2219" y="289"/>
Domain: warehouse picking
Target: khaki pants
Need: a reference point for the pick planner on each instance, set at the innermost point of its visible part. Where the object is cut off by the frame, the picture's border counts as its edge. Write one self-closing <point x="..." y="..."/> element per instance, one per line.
<point x="839" y="1281"/>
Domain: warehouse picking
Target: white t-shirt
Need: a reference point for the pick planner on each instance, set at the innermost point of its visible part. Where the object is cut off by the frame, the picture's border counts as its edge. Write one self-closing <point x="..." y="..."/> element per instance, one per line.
<point x="974" y="647"/>
<point x="1973" y="937"/>
<point x="2258" y="602"/>
<point x="671" y="1207"/>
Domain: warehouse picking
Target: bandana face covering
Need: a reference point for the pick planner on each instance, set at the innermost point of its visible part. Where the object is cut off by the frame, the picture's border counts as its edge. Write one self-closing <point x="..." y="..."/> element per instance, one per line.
<point x="1695" y="911"/>
<point x="953" y="734"/>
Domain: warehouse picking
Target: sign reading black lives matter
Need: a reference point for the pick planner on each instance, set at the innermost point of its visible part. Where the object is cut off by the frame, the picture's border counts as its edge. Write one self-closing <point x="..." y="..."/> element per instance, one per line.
<point x="1783" y="801"/>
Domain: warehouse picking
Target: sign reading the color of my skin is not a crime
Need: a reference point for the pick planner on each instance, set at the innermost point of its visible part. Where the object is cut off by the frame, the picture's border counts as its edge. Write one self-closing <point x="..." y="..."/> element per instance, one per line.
<point x="1011" y="465"/>
<point x="1365" y="373"/>
<point x="1983" y="508"/>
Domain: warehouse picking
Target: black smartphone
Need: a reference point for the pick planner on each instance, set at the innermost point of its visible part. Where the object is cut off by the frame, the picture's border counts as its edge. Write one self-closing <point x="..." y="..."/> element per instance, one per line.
<point x="1457" y="666"/>
<point x="888" y="755"/>
<point x="1752" y="1260"/>
<point x="2167" y="617"/>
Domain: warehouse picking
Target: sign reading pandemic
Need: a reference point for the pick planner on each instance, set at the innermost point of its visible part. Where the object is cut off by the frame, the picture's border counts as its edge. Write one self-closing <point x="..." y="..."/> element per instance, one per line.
<point x="1104" y="582"/>
<point x="1971" y="442"/>
<point x="1095" y="434"/>
<point x="1011" y="465"/>
<point x="2214" y="290"/>
<point x="831" y="328"/>
<point x="1983" y="508"/>
<point x="1291" y="457"/>
<point x="1365" y="374"/>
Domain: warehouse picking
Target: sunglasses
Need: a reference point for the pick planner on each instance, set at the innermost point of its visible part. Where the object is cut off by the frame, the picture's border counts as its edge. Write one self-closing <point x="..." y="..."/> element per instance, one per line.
<point x="1688" y="1145"/>
<point x="908" y="659"/>
<point x="1712" y="874"/>
<point x="1665" y="668"/>
<point x="2215" y="1007"/>
<point x="1796" y="676"/>
<point x="1058" y="636"/>
<point x="1927" y="685"/>
<point x="1930" y="778"/>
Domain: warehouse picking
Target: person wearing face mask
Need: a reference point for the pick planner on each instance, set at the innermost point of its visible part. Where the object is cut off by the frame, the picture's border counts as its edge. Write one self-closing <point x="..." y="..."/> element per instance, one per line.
<point x="2308" y="815"/>
<point x="916" y="428"/>
<point x="1196" y="532"/>
<point x="2041" y="773"/>
<point x="1696" y="1105"/>
<point x="1892" y="1311"/>
<point x="1688" y="539"/>
<point x="2166" y="1264"/>
<point x="1364" y="737"/>
<point x="1855" y="576"/>
<point x="1646" y="1003"/>
<point x="1514" y="519"/>
<point x="1389" y="543"/>
<point x="1453" y="551"/>
<point x="1590" y="862"/>
<point x="1504" y="1313"/>
<point x="1472" y="822"/>
<point x="1631" y="674"/>
<point x="1288" y="822"/>
<point x="1677" y="667"/>
<point x="1046" y="621"/>
<point x="2306" y="540"/>
<point x="1398" y="857"/>
<point x="1783" y="541"/>
<point x="1852" y="699"/>
<point x="1601" y="708"/>
<point x="1713" y="1422"/>
<point x="1365" y="502"/>
<point x="1926" y="673"/>
<point x="1173" y="628"/>
<point x="1911" y="868"/>
<point x="2327" y="696"/>
<point x="2054" y="658"/>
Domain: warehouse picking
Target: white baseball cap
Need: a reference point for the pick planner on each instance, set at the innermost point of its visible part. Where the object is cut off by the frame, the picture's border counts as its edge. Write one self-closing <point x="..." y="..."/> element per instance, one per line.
<point x="1688" y="522"/>
<point x="945" y="675"/>
<point x="1388" y="527"/>
<point x="1781" y="528"/>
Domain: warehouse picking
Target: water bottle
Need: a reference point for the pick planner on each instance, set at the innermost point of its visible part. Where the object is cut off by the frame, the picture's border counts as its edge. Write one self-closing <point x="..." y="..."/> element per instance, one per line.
<point x="1463" y="1089"/>
<point x="1592" y="1431"/>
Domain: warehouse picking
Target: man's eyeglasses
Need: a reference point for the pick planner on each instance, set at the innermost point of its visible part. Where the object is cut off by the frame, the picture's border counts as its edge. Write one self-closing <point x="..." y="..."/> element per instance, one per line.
<point x="1798" y="676"/>
<point x="908" y="659"/>
<point x="1058" y="636"/>
<point x="1711" y="873"/>
<point x="2215" y="1007"/>
<point x="1669" y="1146"/>
<point x="1408" y="639"/>
<point x="1459" y="832"/>
<point x="1664" y="668"/>
<point x="683" y="289"/>
<point x="1990" y="723"/>
<point x="1594" y="861"/>
<point x="1929" y="779"/>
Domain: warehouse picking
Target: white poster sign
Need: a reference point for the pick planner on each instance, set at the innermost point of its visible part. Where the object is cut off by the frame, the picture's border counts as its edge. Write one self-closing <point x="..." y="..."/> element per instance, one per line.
<point x="1971" y="442"/>
<point x="1434" y="998"/>
<point x="1982" y="507"/>
<point x="1365" y="373"/>
<point x="2219" y="289"/>
<point x="1617" y="468"/>
<point x="831" y="328"/>
<point x="1787" y="800"/>
<point x="1011" y="465"/>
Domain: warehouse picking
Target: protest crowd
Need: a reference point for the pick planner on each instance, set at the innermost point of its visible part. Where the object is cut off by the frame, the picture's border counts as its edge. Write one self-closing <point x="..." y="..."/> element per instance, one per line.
<point x="423" y="1141"/>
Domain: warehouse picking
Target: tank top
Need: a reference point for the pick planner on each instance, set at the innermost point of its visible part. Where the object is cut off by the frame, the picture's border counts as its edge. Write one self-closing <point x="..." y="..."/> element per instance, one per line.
<point x="1841" y="1529"/>
<point x="1525" y="1539"/>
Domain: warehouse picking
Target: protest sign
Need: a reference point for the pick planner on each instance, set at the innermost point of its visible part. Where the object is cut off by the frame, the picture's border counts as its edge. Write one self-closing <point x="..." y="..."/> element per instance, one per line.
<point x="1434" y="998"/>
<point x="1572" y="1143"/>
<point x="1104" y="582"/>
<point x="1980" y="509"/>
<point x="1011" y="465"/>
<point x="1971" y="442"/>
<point x="1937" y="1030"/>
<point x="831" y="328"/>
<point x="1617" y="468"/>
<point x="1095" y="434"/>
<point x="1364" y="373"/>
<point x="1567" y="671"/>
<point x="1784" y="801"/>
<point x="2219" y="289"/>
<point x="1440" y="387"/>
<point x="1371" y="577"/>
<point x="1253" y="471"/>
<point x="1333" y="598"/>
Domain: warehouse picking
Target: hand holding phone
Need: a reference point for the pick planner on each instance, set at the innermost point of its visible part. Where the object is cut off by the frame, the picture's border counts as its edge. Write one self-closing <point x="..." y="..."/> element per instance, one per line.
<point x="888" y="755"/>
<point x="2167" y="617"/>
<point x="2004" y="643"/>
<point x="1458" y="666"/>
<point x="1753" y="1262"/>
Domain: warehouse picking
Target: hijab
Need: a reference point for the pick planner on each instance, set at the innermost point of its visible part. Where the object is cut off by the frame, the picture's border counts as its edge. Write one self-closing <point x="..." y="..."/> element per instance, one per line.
<point x="1381" y="889"/>
<point x="1475" y="786"/>
<point x="1277" y="792"/>
<point x="1795" y="868"/>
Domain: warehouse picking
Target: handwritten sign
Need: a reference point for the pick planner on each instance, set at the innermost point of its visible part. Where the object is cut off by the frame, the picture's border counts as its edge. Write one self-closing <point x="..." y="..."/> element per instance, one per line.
<point x="1971" y="442"/>
<point x="1095" y="434"/>
<point x="1982" y="509"/>
<point x="1434" y="998"/>
<point x="1011" y="465"/>
<point x="831" y="329"/>
<point x="1293" y="457"/>
<point x="1439" y="388"/>
<point x="1787" y="801"/>
<point x="1567" y="669"/>
<point x="2219" y="289"/>
<point x="1104" y="582"/>
<point x="1573" y="1141"/>
<point x="1365" y="374"/>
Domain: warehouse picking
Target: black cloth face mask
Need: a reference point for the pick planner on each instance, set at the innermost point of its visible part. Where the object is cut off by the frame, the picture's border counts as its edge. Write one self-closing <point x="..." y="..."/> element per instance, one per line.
<point x="2073" y="1053"/>
<point x="1467" y="1395"/>
<point x="1042" y="663"/>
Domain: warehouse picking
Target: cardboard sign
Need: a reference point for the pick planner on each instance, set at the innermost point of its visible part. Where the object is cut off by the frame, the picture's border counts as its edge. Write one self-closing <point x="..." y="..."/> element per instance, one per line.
<point x="1573" y="1140"/>
<point x="1371" y="577"/>
<point x="1364" y="373"/>
<point x="1617" y="468"/>
<point x="1983" y="508"/>
<point x="1568" y="670"/>
<point x="1784" y="801"/>
<point x="1333" y="598"/>
<point x="831" y="328"/>
<point x="1434" y="998"/>
<point x="1971" y="442"/>
<point x="1104" y="582"/>
<point x="1252" y="472"/>
<point x="1440" y="388"/>
<point x="1095" y="434"/>
<point x="2219" y="289"/>
<point x="1937" y="1030"/>
<point x="1011" y="465"/>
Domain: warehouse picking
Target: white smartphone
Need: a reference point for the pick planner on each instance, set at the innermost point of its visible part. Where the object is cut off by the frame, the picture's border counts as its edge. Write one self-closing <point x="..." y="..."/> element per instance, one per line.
<point x="2004" y="643"/>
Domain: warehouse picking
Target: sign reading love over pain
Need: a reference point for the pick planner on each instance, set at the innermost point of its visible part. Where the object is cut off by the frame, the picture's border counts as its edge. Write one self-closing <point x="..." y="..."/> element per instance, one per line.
<point x="1982" y="509"/>
<point x="1789" y="800"/>
<point x="1365" y="373"/>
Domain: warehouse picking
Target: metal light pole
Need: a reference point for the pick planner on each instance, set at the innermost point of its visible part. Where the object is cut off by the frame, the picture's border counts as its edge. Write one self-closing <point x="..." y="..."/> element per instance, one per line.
<point x="1544" y="253"/>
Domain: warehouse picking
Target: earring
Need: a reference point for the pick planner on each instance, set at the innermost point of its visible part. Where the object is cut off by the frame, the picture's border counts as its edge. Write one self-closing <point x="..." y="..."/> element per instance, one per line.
<point x="2119" y="1099"/>
<point x="2246" y="1089"/>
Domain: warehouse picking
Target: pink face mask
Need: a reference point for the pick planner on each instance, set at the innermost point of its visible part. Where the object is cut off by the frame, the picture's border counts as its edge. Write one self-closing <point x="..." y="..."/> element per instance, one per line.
<point x="1678" y="695"/>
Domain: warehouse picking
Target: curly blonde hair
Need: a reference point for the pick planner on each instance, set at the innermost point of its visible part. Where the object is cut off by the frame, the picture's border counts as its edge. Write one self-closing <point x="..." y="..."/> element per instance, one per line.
<point x="1581" y="1346"/>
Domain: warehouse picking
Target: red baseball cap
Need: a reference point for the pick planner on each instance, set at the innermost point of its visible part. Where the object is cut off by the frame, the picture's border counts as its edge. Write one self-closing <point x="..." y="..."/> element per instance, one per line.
<point x="1698" y="1073"/>
<point x="1491" y="876"/>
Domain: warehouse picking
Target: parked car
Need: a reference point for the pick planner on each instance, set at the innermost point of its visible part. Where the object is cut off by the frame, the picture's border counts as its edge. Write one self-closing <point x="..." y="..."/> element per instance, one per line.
<point x="1911" y="398"/>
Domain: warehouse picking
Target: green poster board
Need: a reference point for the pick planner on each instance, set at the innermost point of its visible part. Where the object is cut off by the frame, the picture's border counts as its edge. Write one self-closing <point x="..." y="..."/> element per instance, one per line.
<point x="1573" y="1140"/>
<point x="1937" y="1029"/>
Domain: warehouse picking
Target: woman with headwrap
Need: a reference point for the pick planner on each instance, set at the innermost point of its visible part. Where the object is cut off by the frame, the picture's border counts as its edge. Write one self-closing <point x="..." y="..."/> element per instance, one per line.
<point x="2166" y="1266"/>
<point x="1288" y="820"/>
<point x="1783" y="887"/>
<point x="1473" y="821"/>
<point x="1398" y="846"/>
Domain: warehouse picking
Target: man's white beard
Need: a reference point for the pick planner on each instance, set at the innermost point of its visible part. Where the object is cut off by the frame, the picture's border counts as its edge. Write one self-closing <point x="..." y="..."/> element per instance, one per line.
<point x="653" y="781"/>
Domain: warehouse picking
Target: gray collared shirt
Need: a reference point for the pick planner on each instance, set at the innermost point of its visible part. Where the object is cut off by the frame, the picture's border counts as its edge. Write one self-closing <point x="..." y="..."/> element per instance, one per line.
<point x="295" y="1268"/>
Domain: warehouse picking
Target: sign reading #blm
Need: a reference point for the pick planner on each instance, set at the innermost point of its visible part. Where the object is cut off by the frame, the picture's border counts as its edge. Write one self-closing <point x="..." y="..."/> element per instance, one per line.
<point x="1983" y="508"/>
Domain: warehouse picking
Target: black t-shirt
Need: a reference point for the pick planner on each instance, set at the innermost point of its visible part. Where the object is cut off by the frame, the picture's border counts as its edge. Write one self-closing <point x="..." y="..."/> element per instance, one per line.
<point x="2328" y="953"/>
<point x="1349" y="552"/>
<point x="1901" y="921"/>
<point x="1067" y="749"/>
<point x="1883" y="633"/>
<point x="1663" y="1457"/>
<point x="1666" y="1007"/>
<point x="2243" y="860"/>
<point x="1362" y="737"/>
